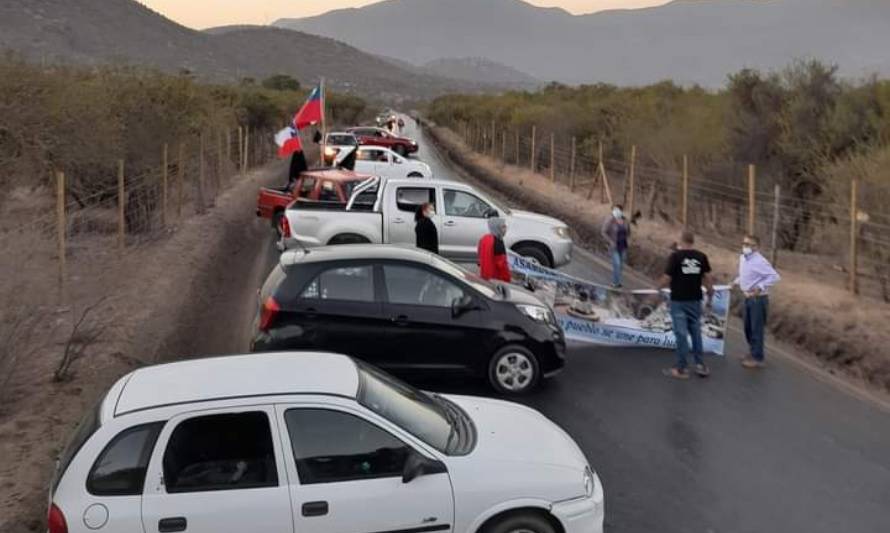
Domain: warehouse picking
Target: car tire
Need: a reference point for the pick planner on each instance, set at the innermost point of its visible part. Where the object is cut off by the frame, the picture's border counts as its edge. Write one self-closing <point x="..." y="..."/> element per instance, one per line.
<point x="276" y="222"/>
<point x="523" y="521"/>
<point x="401" y="150"/>
<point x="415" y="175"/>
<point x="348" y="238"/>
<point x="534" y="253"/>
<point x="514" y="370"/>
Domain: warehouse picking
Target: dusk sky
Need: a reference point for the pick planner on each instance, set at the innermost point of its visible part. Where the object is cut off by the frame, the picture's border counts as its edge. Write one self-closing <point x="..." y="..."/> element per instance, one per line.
<point x="208" y="13"/>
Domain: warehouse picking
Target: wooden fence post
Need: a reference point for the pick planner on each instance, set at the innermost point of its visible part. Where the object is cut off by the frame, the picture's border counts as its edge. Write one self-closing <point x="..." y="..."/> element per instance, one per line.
<point x="516" y="154"/>
<point x="219" y="160"/>
<point x="854" y="233"/>
<point x="199" y="201"/>
<point x="631" y="177"/>
<point x="494" y="136"/>
<point x="180" y="177"/>
<point x="121" y="206"/>
<point x="533" y="156"/>
<point x="552" y="156"/>
<point x="599" y="170"/>
<point x="61" y="230"/>
<point x="240" y="164"/>
<point x="774" y="251"/>
<point x="228" y="145"/>
<point x="572" y="165"/>
<point x="246" y="165"/>
<point x="164" y="187"/>
<point x="504" y="147"/>
<point x="752" y="199"/>
<point x="684" y="213"/>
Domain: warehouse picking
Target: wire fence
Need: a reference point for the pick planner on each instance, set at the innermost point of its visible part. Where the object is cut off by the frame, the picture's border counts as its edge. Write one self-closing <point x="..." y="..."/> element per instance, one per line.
<point x="845" y="238"/>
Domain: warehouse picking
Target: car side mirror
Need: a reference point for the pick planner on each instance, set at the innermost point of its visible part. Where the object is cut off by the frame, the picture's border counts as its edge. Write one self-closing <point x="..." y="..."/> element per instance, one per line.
<point x="463" y="304"/>
<point x="417" y="465"/>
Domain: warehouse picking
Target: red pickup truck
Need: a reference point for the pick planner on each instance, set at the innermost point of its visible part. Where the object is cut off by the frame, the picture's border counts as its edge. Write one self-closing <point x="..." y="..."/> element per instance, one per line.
<point x="368" y="135"/>
<point x="327" y="185"/>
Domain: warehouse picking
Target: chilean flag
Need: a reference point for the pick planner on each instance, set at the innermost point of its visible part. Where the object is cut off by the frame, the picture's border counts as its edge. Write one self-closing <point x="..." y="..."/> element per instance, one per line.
<point x="288" y="141"/>
<point x="312" y="111"/>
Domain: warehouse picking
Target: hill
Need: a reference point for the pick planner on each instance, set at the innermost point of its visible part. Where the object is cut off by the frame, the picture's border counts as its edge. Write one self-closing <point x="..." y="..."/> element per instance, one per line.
<point x="690" y="41"/>
<point x="124" y="31"/>
<point x="481" y="69"/>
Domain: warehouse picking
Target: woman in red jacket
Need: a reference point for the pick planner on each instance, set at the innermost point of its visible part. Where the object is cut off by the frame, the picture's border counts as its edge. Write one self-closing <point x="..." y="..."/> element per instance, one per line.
<point x="493" y="252"/>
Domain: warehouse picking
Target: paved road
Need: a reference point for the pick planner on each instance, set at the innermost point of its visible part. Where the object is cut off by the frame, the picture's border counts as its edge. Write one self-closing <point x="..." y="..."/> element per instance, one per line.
<point x="782" y="450"/>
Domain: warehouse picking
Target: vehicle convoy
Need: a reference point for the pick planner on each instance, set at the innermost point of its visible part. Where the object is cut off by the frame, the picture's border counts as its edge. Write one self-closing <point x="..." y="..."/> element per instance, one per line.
<point x="406" y="309"/>
<point x="314" y="443"/>
<point x="383" y="162"/>
<point x="369" y="135"/>
<point x="382" y="211"/>
<point x="324" y="185"/>
<point x="335" y="143"/>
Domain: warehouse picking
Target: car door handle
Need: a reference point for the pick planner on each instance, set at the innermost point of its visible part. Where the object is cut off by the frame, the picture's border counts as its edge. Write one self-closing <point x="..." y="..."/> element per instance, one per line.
<point x="398" y="221"/>
<point x="450" y="223"/>
<point x="171" y="525"/>
<point x="400" y="320"/>
<point x="315" y="508"/>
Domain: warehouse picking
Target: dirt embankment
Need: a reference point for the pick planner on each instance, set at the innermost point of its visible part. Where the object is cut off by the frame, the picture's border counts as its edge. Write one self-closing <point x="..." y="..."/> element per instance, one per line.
<point x="844" y="333"/>
<point x="190" y="293"/>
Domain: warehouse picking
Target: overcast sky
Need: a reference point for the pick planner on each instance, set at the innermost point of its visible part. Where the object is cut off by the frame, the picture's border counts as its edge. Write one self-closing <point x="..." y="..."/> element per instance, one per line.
<point x="202" y="14"/>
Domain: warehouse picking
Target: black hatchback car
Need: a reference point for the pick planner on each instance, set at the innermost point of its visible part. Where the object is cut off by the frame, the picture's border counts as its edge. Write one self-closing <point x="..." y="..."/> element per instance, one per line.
<point x="405" y="309"/>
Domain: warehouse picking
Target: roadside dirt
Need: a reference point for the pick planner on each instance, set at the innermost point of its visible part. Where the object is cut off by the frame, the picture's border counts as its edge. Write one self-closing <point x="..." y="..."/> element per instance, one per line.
<point x="189" y="293"/>
<point x="843" y="333"/>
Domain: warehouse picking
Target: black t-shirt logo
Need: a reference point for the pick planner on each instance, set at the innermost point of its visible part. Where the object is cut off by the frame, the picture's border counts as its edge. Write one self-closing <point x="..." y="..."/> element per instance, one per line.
<point x="690" y="266"/>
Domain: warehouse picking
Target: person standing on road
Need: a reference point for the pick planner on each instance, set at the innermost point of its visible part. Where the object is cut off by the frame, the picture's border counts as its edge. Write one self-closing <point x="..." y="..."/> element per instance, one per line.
<point x="616" y="232"/>
<point x="687" y="271"/>
<point x="756" y="276"/>
<point x="493" y="252"/>
<point x="425" y="228"/>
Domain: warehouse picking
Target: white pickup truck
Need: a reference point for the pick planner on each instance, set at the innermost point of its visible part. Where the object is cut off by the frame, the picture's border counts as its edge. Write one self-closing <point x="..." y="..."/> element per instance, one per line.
<point x="382" y="211"/>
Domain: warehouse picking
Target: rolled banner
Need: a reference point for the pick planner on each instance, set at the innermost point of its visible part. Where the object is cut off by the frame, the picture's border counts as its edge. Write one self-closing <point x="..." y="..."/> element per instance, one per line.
<point x="599" y="314"/>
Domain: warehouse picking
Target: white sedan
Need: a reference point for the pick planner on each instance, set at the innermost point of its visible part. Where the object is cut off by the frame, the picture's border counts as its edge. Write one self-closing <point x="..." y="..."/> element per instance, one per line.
<point x="383" y="162"/>
<point x="314" y="443"/>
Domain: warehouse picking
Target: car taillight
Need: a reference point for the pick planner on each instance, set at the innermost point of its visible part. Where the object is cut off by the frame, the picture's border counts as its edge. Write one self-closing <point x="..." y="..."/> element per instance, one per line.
<point x="55" y="520"/>
<point x="267" y="313"/>
<point x="284" y="227"/>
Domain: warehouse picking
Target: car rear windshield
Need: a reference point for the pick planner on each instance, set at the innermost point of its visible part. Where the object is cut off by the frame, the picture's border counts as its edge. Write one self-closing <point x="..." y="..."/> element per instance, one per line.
<point x="89" y="424"/>
<point x="272" y="282"/>
<point x="342" y="140"/>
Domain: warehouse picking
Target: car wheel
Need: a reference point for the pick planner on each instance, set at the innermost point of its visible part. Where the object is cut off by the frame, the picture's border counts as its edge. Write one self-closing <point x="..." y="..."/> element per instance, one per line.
<point x="534" y="254"/>
<point x="400" y="149"/>
<point x="521" y="522"/>
<point x="276" y="222"/>
<point x="348" y="238"/>
<point x="514" y="370"/>
<point x="415" y="175"/>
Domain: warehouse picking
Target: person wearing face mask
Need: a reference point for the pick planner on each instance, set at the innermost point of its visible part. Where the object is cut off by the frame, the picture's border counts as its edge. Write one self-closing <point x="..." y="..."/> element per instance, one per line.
<point x="616" y="232"/>
<point x="493" y="252"/>
<point x="425" y="229"/>
<point x="756" y="276"/>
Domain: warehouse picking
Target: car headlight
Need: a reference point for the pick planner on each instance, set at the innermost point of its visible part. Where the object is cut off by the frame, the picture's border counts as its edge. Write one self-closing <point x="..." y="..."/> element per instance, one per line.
<point x="537" y="313"/>
<point x="413" y="143"/>
<point x="562" y="232"/>
<point x="589" y="484"/>
<point x="330" y="151"/>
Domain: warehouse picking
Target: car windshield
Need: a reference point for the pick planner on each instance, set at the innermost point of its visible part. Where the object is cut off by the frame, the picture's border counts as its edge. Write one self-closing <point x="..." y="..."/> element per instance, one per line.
<point x="342" y="140"/>
<point x="459" y="272"/>
<point x="411" y="409"/>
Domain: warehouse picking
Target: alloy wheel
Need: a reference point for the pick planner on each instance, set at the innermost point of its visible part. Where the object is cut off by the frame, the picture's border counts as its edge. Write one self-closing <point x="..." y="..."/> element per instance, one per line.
<point x="514" y="372"/>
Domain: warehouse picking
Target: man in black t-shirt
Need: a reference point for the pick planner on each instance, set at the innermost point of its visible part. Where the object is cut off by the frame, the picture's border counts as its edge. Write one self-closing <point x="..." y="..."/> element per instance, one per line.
<point x="687" y="271"/>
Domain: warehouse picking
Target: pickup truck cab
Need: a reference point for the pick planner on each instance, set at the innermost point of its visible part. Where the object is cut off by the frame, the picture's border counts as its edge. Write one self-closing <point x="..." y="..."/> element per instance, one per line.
<point x="382" y="211"/>
<point x="325" y="185"/>
<point x="383" y="162"/>
<point x="369" y="135"/>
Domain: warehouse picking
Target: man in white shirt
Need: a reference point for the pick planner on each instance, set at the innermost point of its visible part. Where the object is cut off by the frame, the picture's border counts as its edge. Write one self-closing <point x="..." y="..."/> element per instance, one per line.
<point x="756" y="276"/>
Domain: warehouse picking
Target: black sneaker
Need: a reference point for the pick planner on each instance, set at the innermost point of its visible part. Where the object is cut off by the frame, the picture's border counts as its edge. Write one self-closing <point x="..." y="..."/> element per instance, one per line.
<point x="702" y="371"/>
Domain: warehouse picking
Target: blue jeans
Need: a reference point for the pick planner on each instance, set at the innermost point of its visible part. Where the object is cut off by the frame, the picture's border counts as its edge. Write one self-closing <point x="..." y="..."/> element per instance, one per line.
<point x="686" y="319"/>
<point x="618" y="259"/>
<point x="755" y="321"/>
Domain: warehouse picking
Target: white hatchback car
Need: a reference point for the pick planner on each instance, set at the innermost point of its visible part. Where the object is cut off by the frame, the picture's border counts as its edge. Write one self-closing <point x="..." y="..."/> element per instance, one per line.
<point x="383" y="162"/>
<point x="314" y="443"/>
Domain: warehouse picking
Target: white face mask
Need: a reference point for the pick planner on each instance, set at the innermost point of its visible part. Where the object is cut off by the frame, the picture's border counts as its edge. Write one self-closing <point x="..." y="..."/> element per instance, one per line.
<point x="747" y="250"/>
<point x="430" y="213"/>
<point x="617" y="213"/>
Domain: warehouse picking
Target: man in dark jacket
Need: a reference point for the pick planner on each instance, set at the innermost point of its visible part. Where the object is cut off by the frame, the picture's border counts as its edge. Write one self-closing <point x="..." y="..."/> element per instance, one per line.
<point x="493" y="252"/>
<point x="616" y="232"/>
<point x="425" y="229"/>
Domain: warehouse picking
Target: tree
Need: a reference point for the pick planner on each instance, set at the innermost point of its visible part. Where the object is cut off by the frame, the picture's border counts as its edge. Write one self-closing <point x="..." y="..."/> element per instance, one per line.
<point x="281" y="82"/>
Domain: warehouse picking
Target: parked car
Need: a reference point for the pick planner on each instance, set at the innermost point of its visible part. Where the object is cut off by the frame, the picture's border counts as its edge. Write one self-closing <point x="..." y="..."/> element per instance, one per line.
<point x="382" y="211"/>
<point x="406" y="309"/>
<point x="369" y="135"/>
<point x="337" y="142"/>
<point x="383" y="162"/>
<point x="315" y="443"/>
<point x="316" y="186"/>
